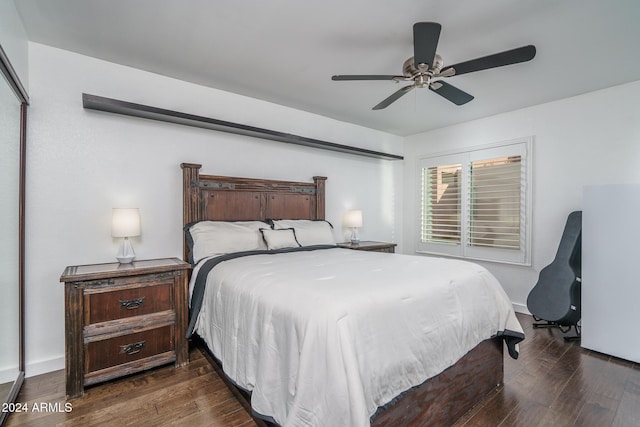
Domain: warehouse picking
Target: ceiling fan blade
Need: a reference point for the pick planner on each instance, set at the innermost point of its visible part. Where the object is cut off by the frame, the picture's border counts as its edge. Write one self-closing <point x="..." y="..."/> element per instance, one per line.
<point x="508" y="57"/>
<point x="452" y="93"/>
<point x="425" y="42"/>
<point x="393" y="98"/>
<point x="363" y="77"/>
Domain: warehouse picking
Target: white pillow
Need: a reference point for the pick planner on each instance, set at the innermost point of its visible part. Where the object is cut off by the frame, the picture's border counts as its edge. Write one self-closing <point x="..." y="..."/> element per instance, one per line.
<point x="280" y="239"/>
<point x="308" y="232"/>
<point x="212" y="238"/>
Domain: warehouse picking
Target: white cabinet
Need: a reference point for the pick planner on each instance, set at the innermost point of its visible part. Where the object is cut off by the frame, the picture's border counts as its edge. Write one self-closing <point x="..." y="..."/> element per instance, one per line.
<point x="611" y="270"/>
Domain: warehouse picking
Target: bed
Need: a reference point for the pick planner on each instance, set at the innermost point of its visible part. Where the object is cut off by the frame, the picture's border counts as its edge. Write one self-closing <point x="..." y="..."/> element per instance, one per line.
<point x="312" y="334"/>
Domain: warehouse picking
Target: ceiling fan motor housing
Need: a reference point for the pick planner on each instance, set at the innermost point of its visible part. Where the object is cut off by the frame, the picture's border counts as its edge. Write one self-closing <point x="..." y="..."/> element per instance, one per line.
<point x="422" y="73"/>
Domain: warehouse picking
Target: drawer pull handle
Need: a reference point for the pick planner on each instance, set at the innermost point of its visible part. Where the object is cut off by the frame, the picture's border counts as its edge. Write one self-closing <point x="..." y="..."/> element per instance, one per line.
<point x="132" y="304"/>
<point x="132" y="348"/>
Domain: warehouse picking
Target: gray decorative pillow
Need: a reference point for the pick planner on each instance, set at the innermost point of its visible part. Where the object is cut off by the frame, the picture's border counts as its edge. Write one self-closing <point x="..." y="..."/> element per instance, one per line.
<point x="280" y="239"/>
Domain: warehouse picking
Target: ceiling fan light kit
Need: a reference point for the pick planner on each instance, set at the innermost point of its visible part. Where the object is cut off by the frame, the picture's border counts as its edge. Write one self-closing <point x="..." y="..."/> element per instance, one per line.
<point x="426" y="65"/>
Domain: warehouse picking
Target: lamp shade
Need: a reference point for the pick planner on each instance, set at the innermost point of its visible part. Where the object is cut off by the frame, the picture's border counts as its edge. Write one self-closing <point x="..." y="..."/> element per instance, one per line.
<point x="353" y="218"/>
<point x="125" y="222"/>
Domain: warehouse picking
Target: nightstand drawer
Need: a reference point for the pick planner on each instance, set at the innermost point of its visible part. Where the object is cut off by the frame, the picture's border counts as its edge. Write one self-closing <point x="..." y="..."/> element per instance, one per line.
<point x="115" y="304"/>
<point x="127" y="348"/>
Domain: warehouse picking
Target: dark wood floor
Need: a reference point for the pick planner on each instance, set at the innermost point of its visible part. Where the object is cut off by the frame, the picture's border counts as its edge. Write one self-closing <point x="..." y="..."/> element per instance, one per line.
<point x="558" y="383"/>
<point x="553" y="383"/>
<point x="192" y="396"/>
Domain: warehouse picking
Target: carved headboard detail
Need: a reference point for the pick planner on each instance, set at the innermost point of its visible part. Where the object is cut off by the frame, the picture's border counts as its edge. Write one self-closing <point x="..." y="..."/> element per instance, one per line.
<point x="225" y="198"/>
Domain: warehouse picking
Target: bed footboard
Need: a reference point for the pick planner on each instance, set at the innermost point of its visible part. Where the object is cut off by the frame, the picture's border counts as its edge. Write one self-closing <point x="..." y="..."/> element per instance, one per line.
<point x="446" y="397"/>
<point x="439" y="401"/>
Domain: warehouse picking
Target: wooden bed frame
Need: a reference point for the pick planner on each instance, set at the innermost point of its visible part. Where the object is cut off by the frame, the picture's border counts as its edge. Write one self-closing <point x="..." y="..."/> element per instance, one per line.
<point x="439" y="401"/>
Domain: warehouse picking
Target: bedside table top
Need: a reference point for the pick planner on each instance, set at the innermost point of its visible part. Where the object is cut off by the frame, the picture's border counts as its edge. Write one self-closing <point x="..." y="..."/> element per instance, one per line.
<point x="115" y="269"/>
<point x="367" y="244"/>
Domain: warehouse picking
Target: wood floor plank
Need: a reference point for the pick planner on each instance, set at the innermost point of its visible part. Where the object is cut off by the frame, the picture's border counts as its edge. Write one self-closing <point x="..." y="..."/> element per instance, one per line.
<point x="596" y="415"/>
<point x="564" y="414"/>
<point x="553" y="383"/>
<point x="526" y="413"/>
<point x="492" y="411"/>
<point x="629" y="409"/>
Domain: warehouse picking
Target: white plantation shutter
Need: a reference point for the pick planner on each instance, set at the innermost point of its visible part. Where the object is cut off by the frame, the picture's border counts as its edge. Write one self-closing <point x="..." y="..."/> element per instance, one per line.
<point x="441" y="204"/>
<point x="495" y="202"/>
<point x="477" y="204"/>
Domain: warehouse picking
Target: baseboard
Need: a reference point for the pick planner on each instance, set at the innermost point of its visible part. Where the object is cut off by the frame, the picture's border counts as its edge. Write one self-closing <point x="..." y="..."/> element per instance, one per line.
<point x="521" y="308"/>
<point x="44" y="366"/>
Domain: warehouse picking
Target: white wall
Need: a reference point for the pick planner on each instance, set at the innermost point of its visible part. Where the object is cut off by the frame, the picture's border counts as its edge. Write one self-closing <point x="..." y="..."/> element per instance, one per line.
<point x="588" y="139"/>
<point x="81" y="163"/>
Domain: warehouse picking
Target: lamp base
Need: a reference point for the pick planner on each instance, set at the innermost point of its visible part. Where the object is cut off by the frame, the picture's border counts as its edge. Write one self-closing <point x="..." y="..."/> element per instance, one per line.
<point x="355" y="239"/>
<point x="125" y="253"/>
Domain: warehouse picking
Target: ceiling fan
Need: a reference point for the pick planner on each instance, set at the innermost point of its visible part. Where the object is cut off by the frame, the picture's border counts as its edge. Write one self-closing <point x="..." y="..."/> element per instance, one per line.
<point x="426" y="65"/>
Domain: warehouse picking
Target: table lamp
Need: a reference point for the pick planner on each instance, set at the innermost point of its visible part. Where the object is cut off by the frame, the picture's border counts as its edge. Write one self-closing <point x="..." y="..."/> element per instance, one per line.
<point x="125" y="223"/>
<point x="353" y="219"/>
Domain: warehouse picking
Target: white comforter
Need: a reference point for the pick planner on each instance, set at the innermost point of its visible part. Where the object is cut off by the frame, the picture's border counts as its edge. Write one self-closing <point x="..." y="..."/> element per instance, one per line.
<point x="323" y="338"/>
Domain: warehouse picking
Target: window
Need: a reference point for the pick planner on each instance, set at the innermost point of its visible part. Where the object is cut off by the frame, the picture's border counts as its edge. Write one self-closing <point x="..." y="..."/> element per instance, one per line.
<point x="476" y="204"/>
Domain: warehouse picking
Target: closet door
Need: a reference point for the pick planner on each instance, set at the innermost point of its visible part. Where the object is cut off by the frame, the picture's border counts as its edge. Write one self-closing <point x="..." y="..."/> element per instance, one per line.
<point x="610" y="276"/>
<point x="13" y="107"/>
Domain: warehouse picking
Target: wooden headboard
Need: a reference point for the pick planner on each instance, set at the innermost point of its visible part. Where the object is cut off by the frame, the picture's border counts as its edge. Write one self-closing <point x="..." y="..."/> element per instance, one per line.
<point x="225" y="198"/>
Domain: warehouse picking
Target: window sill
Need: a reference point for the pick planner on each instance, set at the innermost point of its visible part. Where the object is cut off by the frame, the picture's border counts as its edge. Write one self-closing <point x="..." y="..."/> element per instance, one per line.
<point x="526" y="263"/>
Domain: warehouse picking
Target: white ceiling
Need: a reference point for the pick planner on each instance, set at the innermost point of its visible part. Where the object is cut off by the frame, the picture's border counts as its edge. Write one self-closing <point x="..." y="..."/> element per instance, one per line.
<point x="285" y="51"/>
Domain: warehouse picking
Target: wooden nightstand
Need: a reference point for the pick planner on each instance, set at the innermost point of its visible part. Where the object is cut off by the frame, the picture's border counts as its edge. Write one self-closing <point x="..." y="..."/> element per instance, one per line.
<point x="367" y="245"/>
<point x="123" y="318"/>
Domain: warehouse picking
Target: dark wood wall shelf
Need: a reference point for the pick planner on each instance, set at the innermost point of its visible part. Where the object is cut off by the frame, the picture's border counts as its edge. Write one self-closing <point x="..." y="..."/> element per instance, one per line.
<point x="94" y="102"/>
